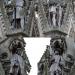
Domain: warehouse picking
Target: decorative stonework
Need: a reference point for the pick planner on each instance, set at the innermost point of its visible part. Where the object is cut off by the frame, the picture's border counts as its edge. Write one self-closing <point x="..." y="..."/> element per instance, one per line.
<point x="57" y="59"/>
<point x="55" y="15"/>
<point x="20" y="44"/>
<point x="10" y="38"/>
<point x="20" y="15"/>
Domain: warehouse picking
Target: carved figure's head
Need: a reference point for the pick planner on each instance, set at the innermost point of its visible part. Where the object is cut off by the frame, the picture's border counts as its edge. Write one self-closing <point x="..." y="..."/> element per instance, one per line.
<point x="58" y="44"/>
<point x="17" y="46"/>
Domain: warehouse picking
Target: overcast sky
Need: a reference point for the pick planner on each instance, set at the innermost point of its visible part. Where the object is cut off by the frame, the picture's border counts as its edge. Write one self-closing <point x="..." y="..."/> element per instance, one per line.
<point x="35" y="48"/>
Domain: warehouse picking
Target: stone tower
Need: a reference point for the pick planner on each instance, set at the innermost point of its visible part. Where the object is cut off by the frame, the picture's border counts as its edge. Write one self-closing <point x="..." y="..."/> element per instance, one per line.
<point x="13" y="29"/>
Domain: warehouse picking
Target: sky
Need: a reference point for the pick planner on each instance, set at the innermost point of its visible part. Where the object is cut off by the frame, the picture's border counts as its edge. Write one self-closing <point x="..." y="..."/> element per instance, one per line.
<point x="35" y="48"/>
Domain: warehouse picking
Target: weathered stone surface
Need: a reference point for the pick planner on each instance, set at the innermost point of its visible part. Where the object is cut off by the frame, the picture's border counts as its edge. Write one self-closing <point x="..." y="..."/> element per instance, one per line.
<point x="1" y="70"/>
<point x="10" y="36"/>
<point x="65" y="30"/>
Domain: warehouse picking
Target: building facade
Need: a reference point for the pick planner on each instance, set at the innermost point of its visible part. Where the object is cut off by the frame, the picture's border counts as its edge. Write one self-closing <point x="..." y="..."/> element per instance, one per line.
<point x="12" y="45"/>
<point x="37" y="18"/>
<point x="59" y="20"/>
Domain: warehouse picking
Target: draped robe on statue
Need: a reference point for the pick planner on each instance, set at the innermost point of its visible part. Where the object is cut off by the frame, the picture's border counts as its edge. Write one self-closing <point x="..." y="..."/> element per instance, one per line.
<point x="17" y="60"/>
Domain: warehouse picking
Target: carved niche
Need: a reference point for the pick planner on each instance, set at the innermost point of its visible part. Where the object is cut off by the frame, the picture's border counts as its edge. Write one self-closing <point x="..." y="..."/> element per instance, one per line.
<point x="55" y="12"/>
<point x="20" y="44"/>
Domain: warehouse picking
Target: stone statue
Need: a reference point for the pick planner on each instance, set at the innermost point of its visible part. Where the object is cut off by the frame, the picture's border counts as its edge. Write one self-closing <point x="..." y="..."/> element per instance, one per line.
<point x="17" y="13"/>
<point x="19" y="16"/>
<point x="61" y="62"/>
<point x="57" y="62"/>
<point x="60" y="15"/>
<point x="56" y="14"/>
<point x="17" y="63"/>
<point x="52" y="12"/>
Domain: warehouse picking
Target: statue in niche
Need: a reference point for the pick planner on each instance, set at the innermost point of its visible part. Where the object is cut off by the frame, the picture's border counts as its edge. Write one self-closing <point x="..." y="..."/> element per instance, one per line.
<point x="60" y="15"/>
<point x="23" y="62"/>
<point x="17" y="63"/>
<point x="57" y="61"/>
<point x="17" y="20"/>
<point x="60" y="65"/>
<point x="52" y="12"/>
<point x="56" y="14"/>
